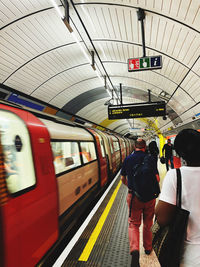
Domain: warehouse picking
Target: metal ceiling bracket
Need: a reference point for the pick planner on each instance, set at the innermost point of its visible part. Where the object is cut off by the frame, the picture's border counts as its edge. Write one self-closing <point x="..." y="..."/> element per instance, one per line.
<point x="120" y="88"/>
<point x="66" y="18"/>
<point x="149" y="93"/>
<point x="105" y="82"/>
<point x="141" y="17"/>
<point x="93" y="62"/>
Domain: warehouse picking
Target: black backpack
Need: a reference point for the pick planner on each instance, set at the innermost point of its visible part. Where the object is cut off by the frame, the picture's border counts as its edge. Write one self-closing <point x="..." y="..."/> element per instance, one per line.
<point x="144" y="182"/>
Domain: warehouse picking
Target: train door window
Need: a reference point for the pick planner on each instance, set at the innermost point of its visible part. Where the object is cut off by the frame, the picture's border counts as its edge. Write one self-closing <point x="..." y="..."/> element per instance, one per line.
<point x="88" y="151"/>
<point x="116" y="145"/>
<point x="18" y="160"/>
<point x="66" y="155"/>
<point x="124" y="144"/>
<point x="111" y="146"/>
<point x="102" y="147"/>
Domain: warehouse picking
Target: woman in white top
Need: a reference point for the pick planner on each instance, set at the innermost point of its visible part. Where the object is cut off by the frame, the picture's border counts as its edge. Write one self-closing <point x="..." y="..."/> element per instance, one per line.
<point x="187" y="146"/>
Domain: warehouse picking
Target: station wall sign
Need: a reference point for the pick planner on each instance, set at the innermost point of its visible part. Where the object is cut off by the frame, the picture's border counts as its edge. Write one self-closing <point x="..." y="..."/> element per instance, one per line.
<point x="139" y="110"/>
<point x="144" y="63"/>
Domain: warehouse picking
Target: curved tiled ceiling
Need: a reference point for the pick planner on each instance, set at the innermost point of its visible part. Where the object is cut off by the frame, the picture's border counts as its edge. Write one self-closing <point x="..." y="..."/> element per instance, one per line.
<point x="42" y="59"/>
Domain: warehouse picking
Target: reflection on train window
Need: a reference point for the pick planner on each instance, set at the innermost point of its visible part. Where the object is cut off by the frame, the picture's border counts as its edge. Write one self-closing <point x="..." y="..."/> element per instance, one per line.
<point x="124" y="144"/>
<point x="111" y="148"/>
<point x="66" y="155"/>
<point x="116" y="145"/>
<point x="88" y="151"/>
<point x="102" y="148"/>
<point x="18" y="161"/>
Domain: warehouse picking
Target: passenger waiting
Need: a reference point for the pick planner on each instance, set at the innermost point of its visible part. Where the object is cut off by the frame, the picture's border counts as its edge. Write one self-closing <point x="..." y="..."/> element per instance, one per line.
<point x="187" y="146"/>
<point x="9" y="163"/>
<point x="168" y="151"/>
<point x="137" y="208"/>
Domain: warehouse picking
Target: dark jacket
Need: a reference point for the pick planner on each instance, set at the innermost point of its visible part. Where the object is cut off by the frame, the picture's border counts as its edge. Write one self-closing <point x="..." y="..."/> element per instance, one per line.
<point x="135" y="158"/>
<point x="168" y="150"/>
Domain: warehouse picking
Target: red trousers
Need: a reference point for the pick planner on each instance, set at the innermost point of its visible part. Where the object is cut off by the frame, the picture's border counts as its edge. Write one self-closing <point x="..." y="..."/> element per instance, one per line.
<point x="138" y="209"/>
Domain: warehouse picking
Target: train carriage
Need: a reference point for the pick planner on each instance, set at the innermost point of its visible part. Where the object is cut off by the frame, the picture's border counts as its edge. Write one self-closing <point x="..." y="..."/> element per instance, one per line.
<point x="52" y="170"/>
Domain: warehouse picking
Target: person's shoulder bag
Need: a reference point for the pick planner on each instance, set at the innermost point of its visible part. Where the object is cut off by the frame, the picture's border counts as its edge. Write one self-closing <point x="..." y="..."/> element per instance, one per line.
<point x="163" y="160"/>
<point x="168" y="241"/>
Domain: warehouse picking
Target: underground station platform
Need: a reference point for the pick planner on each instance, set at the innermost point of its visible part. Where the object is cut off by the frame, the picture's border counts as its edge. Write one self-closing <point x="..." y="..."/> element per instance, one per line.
<point x="104" y="241"/>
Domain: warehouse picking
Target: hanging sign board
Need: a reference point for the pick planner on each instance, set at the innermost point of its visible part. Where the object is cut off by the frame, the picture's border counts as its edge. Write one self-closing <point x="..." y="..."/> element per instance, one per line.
<point x="144" y="63"/>
<point x="140" y="110"/>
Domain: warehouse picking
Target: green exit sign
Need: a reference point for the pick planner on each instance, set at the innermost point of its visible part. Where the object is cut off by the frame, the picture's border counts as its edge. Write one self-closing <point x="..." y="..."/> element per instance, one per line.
<point x="144" y="63"/>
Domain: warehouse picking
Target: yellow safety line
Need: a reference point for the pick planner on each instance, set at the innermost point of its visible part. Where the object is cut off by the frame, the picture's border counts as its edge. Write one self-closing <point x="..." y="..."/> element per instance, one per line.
<point x="90" y="244"/>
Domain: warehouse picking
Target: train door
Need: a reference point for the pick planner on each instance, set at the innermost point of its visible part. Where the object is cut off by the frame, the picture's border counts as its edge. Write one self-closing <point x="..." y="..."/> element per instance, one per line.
<point x="116" y="148"/>
<point x="113" y="158"/>
<point x="127" y="147"/>
<point x="123" y="149"/>
<point x="108" y="152"/>
<point x="101" y="157"/>
<point x="30" y="216"/>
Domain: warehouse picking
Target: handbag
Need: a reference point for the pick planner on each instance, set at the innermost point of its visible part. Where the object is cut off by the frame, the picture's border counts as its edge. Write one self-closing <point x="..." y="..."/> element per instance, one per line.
<point x="163" y="160"/>
<point x="168" y="241"/>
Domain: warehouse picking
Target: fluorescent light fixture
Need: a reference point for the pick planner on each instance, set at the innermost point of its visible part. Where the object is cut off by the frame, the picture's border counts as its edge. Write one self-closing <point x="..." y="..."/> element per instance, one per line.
<point x="76" y="39"/>
<point x="57" y="8"/>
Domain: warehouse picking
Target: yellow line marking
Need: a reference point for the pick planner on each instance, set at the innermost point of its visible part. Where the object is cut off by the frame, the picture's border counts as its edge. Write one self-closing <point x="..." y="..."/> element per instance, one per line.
<point x="91" y="242"/>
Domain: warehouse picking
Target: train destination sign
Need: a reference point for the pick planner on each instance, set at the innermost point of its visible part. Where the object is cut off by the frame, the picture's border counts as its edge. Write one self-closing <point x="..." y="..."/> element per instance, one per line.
<point x="144" y="63"/>
<point x="139" y="110"/>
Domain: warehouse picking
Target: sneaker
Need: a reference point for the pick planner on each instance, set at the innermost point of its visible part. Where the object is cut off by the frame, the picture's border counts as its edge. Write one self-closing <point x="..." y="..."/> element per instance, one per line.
<point x="135" y="258"/>
<point x="148" y="252"/>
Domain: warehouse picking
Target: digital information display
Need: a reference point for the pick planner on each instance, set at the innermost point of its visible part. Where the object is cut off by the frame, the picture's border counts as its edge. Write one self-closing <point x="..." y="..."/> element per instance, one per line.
<point x="144" y="63"/>
<point x="141" y="110"/>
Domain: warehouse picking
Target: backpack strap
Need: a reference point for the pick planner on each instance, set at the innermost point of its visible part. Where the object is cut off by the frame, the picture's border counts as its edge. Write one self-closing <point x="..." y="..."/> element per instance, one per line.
<point x="178" y="188"/>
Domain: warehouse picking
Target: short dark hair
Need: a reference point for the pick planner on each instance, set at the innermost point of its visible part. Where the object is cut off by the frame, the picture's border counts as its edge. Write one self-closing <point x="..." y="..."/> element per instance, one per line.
<point x="140" y="143"/>
<point x="187" y="145"/>
<point x="153" y="147"/>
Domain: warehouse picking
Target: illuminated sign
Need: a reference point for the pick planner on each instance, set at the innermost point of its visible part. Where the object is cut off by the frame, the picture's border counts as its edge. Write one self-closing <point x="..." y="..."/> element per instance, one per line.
<point x="139" y="110"/>
<point x="144" y="63"/>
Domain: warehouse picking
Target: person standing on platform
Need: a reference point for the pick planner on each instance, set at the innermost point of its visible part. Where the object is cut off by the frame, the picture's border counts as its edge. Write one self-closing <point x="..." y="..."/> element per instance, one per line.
<point x="167" y="149"/>
<point x="154" y="151"/>
<point x="138" y="208"/>
<point x="187" y="146"/>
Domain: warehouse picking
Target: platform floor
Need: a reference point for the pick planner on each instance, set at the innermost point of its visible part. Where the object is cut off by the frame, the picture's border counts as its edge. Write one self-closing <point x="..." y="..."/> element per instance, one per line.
<point x="111" y="246"/>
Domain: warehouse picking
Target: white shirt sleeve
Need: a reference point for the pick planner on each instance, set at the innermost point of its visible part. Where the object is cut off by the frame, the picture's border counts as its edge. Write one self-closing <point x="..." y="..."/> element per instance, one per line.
<point x="168" y="192"/>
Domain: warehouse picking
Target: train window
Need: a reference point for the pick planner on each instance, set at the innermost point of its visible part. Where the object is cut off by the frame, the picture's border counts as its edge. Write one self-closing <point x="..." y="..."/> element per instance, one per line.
<point x="17" y="151"/>
<point x="88" y="151"/>
<point x="66" y="155"/>
<point x="124" y="144"/>
<point x="116" y="145"/>
<point x="102" y="148"/>
<point x="111" y="148"/>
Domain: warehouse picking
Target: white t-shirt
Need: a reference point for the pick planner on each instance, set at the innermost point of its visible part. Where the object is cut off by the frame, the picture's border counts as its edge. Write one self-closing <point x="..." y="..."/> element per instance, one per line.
<point x="191" y="202"/>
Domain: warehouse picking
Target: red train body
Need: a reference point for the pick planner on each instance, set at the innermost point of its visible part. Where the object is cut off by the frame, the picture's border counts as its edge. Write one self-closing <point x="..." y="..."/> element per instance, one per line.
<point x="57" y="167"/>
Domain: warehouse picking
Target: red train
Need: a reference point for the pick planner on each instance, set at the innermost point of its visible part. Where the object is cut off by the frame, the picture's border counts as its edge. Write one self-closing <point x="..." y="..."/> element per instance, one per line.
<point x="50" y="170"/>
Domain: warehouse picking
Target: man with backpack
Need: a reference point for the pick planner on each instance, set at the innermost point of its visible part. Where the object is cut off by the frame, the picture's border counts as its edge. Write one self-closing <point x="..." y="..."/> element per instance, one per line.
<point x="139" y="172"/>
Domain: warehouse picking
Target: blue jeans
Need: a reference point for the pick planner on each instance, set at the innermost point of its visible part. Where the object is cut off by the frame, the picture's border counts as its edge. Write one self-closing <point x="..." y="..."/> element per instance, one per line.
<point x="171" y="163"/>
